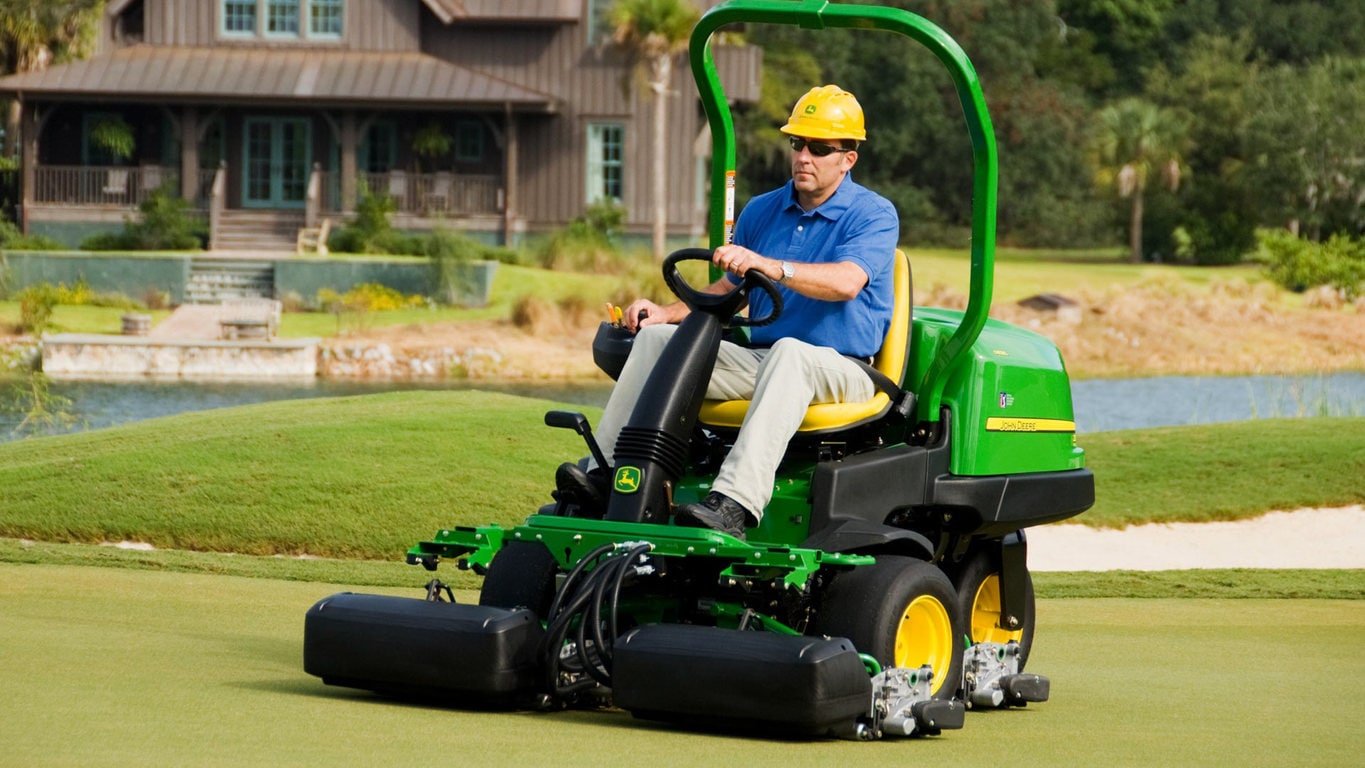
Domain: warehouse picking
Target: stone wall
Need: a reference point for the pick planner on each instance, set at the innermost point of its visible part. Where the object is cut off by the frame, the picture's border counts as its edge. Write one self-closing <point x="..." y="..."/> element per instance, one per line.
<point x="90" y="356"/>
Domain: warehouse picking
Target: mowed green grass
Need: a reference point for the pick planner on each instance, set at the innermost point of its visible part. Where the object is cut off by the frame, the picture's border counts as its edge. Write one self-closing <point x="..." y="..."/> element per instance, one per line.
<point x="134" y="668"/>
<point x="366" y="477"/>
<point x="189" y="658"/>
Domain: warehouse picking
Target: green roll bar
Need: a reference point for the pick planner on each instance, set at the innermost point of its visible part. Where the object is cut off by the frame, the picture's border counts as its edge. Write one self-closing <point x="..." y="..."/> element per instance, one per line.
<point x="819" y="14"/>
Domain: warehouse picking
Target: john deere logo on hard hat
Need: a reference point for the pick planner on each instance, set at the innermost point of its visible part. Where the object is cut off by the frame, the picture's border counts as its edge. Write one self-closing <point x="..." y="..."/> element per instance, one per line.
<point x="627" y="479"/>
<point x="810" y="109"/>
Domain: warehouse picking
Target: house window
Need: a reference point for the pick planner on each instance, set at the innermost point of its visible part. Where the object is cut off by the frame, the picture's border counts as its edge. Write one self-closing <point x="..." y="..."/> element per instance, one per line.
<point x="599" y="28"/>
<point x="324" y="18"/>
<point x="283" y="19"/>
<point x="239" y="17"/>
<point x="379" y="150"/>
<point x="469" y="141"/>
<point x="606" y="161"/>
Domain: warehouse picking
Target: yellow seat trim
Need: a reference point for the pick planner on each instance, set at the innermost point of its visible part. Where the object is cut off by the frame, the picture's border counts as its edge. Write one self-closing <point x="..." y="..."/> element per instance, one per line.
<point x="824" y="417"/>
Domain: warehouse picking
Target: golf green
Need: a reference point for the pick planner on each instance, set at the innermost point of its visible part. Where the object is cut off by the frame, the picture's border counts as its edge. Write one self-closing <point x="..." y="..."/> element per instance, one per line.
<point x="133" y="668"/>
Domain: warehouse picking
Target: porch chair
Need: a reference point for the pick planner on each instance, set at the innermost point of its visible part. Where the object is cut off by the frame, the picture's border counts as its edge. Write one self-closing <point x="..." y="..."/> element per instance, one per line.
<point x="314" y="239"/>
<point x="150" y="178"/>
<point x="116" y="182"/>
<point x="442" y="186"/>
<point x="398" y="187"/>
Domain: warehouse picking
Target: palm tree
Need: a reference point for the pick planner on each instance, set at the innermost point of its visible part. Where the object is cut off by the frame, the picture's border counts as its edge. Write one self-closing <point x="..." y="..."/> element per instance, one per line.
<point x="1134" y="141"/>
<point x="35" y="33"/>
<point x="654" y="32"/>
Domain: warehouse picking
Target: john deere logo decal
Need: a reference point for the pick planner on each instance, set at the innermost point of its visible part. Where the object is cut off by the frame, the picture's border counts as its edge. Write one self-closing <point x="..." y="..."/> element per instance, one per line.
<point x="810" y="109"/>
<point x="627" y="479"/>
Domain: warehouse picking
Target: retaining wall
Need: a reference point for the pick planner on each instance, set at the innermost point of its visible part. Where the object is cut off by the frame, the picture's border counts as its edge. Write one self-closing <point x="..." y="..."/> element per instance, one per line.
<point x="128" y="274"/>
<point x="92" y="356"/>
<point x="134" y="274"/>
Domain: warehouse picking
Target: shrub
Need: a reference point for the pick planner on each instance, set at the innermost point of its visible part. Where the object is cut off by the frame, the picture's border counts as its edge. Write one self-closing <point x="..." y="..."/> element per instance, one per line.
<point x="36" y="304"/>
<point x="588" y="243"/>
<point x="38" y="301"/>
<point x="165" y="224"/>
<point x="13" y="239"/>
<point x="370" y="230"/>
<point x="1298" y="265"/>
<point x="155" y="298"/>
<point x="369" y="297"/>
<point x="450" y="254"/>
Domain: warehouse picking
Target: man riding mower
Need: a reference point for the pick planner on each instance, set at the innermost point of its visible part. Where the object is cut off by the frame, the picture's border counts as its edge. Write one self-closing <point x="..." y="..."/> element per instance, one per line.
<point x="856" y="565"/>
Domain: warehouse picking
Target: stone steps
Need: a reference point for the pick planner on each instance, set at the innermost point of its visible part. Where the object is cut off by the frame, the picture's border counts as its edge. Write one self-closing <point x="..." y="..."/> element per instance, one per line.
<point x="263" y="231"/>
<point x="213" y="280"/>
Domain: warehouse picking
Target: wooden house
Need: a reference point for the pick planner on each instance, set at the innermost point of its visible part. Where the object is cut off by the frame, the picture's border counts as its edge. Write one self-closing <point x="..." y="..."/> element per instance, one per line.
<point x="495" y="117"/>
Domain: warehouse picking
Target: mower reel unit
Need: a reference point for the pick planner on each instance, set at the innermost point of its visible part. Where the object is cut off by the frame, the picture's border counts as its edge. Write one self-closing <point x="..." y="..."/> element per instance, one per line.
<point x="895" y="531"/>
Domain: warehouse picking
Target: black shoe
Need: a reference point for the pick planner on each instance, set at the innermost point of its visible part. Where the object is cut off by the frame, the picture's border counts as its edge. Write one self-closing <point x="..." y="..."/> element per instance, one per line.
<point x="588" y="490"/>
<point x="717" y="512"/>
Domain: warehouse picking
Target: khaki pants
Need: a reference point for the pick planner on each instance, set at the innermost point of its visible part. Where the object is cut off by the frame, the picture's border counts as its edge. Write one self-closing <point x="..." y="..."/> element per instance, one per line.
<point x="780" y="381"/>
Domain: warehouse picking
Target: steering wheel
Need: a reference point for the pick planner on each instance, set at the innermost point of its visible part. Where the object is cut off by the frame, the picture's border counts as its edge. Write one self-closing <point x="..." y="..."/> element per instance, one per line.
<point x="724" y="305"/>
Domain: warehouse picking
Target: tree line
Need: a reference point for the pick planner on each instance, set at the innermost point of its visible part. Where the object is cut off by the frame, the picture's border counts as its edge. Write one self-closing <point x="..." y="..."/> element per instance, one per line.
<point x="1178" y="127"/>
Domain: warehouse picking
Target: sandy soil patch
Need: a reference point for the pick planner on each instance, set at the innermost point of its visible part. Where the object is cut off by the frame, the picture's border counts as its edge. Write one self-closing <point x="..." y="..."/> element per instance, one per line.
<point x="1305" y="538"/>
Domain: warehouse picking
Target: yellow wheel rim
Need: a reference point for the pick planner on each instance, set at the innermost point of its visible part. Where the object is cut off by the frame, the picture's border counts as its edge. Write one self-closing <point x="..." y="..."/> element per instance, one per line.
<point x="986" y="615"/>
<point x="925" y="636"/>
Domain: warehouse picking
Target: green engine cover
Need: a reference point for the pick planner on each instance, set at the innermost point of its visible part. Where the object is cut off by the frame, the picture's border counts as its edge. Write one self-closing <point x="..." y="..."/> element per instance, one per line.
<point x="1010" y="400"/>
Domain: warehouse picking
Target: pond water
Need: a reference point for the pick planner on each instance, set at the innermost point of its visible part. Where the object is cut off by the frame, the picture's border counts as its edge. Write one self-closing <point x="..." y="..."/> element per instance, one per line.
<point x="1100" y="404"/>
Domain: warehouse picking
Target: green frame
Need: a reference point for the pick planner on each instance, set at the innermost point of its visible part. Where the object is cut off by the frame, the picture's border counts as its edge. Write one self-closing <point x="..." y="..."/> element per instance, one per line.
<point x="819" y="14"/>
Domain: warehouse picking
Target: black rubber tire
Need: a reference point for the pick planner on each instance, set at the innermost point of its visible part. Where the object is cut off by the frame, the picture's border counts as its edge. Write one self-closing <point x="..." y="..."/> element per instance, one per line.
<point x="901" y="611"/>
<point x="521" y="575"/>
<point x="977" y="583"/>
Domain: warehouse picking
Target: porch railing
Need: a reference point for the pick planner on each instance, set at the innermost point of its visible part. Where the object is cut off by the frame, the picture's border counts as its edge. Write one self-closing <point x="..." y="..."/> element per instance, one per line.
<point x="435" y="194"/>
<point x="441" y="194"/>
<point x="216" y="200"/>
<point x="101" y="185"/>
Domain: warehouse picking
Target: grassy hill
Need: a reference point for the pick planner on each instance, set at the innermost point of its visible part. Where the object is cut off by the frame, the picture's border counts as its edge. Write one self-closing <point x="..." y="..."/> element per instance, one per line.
<point x="365" y="477"/>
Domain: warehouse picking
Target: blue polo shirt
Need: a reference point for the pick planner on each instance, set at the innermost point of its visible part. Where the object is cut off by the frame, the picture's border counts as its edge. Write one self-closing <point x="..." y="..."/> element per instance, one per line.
<point x="855" y="224"/>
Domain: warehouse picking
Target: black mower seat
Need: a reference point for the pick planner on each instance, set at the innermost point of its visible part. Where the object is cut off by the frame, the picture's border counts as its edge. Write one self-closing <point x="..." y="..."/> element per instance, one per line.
<point x="891" y="361"/>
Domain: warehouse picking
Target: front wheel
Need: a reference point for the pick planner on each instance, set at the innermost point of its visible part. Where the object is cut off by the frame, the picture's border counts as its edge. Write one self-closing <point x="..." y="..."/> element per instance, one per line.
<point x="977" y="584"/>
<point x="901" y="611"/>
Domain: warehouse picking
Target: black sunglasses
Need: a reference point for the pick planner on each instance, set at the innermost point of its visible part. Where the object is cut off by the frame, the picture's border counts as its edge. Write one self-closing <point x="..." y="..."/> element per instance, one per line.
<point x="819" y="150"/>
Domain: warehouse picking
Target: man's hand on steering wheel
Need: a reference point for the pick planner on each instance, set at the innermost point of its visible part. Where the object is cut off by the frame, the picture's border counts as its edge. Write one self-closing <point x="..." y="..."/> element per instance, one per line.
<point x="738" y="260"/>
<point x="643" y="312"/>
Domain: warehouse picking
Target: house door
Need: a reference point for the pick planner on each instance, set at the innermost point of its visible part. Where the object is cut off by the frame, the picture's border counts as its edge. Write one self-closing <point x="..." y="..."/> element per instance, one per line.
<point x="277" y="152"/>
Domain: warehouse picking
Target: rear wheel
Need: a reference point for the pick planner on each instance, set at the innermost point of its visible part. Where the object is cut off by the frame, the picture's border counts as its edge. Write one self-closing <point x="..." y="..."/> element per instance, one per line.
<point x="901" y="611"/>
<point x="978" y="594"/>
<point x="521" y="575"/>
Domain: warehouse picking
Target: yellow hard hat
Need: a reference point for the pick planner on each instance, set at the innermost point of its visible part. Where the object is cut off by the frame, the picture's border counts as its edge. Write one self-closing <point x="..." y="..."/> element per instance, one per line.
<point x="827" y="112"/>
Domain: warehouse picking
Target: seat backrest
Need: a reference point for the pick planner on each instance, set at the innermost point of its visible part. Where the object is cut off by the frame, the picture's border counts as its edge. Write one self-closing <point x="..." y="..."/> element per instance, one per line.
<point x="894" y="355"/>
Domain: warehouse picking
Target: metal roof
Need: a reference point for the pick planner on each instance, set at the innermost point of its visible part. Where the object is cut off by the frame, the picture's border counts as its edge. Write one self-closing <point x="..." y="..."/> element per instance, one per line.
<point x="262" y="76"/>
<point x="545" y="11"/>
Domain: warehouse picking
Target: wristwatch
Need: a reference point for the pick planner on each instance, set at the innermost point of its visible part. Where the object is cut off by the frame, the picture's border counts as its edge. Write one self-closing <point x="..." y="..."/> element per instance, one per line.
<point x="788" y="269"/>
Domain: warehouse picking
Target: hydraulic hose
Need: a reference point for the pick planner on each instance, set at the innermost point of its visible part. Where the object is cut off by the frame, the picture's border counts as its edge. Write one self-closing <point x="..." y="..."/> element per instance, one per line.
<point x="586" y="605"/>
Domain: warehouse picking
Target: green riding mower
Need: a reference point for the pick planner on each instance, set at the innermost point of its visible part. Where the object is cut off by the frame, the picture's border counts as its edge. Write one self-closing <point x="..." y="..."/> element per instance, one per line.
<point x="886" y="589"/>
